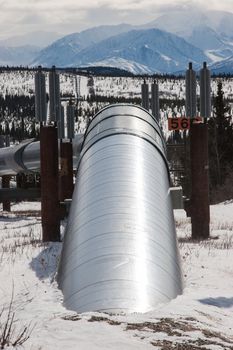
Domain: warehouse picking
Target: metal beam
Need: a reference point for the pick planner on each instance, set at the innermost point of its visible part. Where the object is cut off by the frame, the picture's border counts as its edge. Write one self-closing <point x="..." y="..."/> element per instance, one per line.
<point x="19" y="194"/>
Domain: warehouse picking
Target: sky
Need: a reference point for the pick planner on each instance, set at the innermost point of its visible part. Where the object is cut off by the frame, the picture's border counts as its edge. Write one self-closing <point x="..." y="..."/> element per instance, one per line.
<point x="18" y="17"/>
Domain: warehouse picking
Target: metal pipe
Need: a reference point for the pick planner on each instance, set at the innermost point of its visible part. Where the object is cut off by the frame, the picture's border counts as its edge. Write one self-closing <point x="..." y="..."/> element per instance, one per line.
<point x="120" y="249"/>
<point x="25" y="157"/>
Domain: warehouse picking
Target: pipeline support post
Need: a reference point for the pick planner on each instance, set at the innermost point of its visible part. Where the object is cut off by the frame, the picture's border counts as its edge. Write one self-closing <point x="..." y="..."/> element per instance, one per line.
<point x="49" y="184"/>
<point x="200" y="212"/>
<point x="6" y="184"/>
<point x="145" y="95"/>
<point x="66" y="171"/>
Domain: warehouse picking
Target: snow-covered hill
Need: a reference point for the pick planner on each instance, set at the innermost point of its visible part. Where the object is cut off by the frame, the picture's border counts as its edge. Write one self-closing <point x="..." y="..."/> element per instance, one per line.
<point x="223" y="66"/>
<point x="156" y="50"/>
<point x="210" y="31"/>
<point x="62" y="52"/>
<point x="22" y="50"/>
<point x="16" y="56"/>
<point x="140" y="50"/>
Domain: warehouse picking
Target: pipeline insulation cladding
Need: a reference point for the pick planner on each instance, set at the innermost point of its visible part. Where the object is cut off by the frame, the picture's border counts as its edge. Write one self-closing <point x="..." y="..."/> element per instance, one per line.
<point x="120" y="249"/>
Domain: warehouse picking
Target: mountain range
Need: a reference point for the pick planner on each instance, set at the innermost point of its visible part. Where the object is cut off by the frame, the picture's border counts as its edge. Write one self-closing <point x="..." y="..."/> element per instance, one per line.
<point x="165" y="45"/>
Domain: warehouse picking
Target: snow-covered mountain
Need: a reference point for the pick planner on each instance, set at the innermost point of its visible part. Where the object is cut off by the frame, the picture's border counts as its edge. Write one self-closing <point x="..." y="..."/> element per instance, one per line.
<point x="225" y="66"/>
<point x="164" y="45"/>
<point x="62" y="52"/>
<point x="150" y="50"/>
<point x="22" y="50"/>
<point x="210" y="31"/>
<point x="16" y="56"/>
<point x="126" y="65"/>
<point x="183" y="22"/>
<point x="40" y="39"/>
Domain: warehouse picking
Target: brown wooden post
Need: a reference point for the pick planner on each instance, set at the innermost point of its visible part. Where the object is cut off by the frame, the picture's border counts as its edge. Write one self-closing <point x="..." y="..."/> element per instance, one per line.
<point x="49" y="183"/>
<point x="6" y="184"/>
<point x="66" y="171"/>
<point x="200" y="212"/>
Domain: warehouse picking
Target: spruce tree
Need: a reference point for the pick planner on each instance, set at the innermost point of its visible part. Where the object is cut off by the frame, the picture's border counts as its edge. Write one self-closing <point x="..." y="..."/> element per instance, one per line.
<point x="220" y="140"/>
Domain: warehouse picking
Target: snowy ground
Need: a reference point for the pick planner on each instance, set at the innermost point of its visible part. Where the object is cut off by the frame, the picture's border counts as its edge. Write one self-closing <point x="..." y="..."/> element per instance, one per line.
<point x="22" y="83"/>
<point x="202" y="318"/>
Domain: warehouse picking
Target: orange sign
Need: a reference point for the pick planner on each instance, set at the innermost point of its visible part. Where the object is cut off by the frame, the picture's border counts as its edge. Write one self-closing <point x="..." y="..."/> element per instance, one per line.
<point x="182" y="123"/>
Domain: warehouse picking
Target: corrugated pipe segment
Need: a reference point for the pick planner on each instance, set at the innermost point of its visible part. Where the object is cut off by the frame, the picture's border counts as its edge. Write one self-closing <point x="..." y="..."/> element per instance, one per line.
<point x="120" y="248"/>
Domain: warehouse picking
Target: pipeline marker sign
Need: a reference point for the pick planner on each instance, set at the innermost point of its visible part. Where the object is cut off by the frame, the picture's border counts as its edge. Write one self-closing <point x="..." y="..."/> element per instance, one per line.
<point x="182" y="123"/>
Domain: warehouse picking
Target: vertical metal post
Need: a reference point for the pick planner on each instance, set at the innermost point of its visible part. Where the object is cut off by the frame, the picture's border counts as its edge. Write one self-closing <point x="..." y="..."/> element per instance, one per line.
<point x="191" y="96"/>
<point x="40" y="96"/>
<point x="205" y="92"/>
<point x="145" y="95"/>
<point x="70" y="120"/>
<point x="66" y="157"/>
<point x="155" y="101"/>
<point x="49" y="183"/>
<point x="6" y="205"/>
<point x="66" y="171"/>
<point x="191" y="112"/>
<point x="6" y="184"/>
<point x="61" y="125"/>
<point x="200" y="213"/>
<point x="54" y="96"/>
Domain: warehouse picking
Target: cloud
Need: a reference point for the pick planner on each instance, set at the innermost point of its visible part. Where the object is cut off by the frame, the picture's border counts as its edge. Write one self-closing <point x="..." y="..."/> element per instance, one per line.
<point x="31" y="19"/>
<point x="17" y="17"/>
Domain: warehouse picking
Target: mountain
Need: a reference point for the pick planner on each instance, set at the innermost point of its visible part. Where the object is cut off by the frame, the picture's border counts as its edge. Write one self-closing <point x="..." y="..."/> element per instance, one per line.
<point x="183" y="22"/>
<point x="205" y="38"/>
<point x="223" y="67"/>
<point x="154" y="50"/>
<point x="40" y="39"/>
<point x="210" y="31"/>
<point x="123" y="64"/>
<point x="150" y="50"/>
<point x="212" y="43"/>
<point x="165" y="45"/>
<point x="16" y="56"/>
<point x="22" y="50"/>
<point x="62" y="52"/>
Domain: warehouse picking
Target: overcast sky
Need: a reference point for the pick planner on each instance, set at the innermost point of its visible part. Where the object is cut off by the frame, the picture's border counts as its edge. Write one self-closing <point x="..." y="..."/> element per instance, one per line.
<point x="66" y="16"/>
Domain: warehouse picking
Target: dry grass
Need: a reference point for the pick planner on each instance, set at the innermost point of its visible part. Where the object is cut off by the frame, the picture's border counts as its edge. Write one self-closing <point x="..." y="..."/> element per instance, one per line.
<point x="10" y="333"/>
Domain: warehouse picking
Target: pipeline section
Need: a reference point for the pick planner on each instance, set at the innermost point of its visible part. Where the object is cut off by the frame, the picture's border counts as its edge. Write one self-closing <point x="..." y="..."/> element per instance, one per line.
<point x="25" y="157"/>
<point x="120" y="249"/>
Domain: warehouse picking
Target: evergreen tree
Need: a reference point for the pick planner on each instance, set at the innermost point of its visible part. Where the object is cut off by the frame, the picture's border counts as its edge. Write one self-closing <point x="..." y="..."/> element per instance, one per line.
<point x="12" y="132"/>
<point x="220" y="140"/>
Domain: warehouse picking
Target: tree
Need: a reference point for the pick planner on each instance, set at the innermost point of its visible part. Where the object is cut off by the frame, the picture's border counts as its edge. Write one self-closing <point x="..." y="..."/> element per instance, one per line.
<point x="220" y="140"/>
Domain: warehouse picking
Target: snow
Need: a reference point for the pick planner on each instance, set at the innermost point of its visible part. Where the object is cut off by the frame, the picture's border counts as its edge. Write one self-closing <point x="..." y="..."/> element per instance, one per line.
<point x="166" y="58"/>
<point x="202" y="316"/>
<point x="212" y="56"/>
<point x="131" y="66"/>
